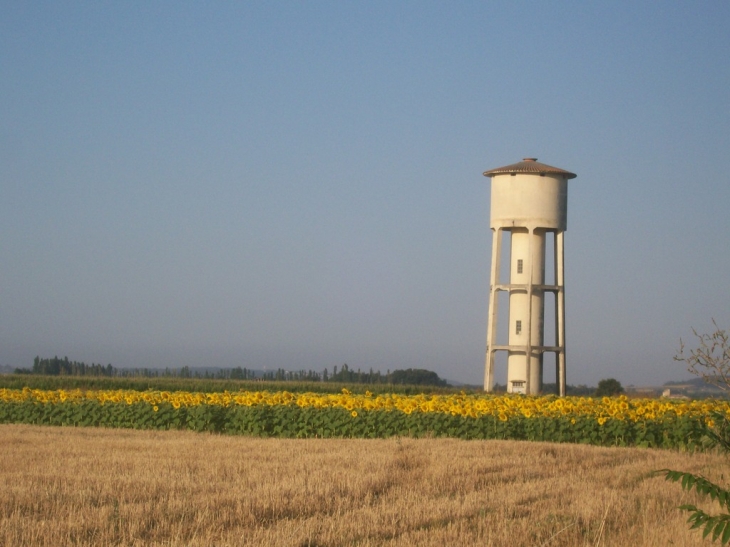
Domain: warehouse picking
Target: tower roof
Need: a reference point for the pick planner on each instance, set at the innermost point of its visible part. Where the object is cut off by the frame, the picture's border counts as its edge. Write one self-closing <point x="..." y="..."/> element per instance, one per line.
<point x="529" y="166"/>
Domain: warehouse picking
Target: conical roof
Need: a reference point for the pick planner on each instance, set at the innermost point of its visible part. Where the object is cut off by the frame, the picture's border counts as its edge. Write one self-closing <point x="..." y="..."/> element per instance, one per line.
<point x="529" y="166"/>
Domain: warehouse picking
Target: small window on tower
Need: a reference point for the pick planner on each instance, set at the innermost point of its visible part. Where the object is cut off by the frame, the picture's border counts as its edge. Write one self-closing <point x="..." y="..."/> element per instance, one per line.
<point x="518" y="327"/>
<point x="519" y="266"/>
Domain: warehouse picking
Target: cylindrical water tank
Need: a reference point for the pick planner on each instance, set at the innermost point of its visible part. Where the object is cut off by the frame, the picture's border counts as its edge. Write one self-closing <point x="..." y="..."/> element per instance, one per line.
<point x="529" y="194"/>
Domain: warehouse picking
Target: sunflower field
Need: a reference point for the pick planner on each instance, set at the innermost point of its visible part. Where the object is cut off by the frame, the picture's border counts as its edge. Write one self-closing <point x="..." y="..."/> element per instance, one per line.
<point x="608" y="421"/>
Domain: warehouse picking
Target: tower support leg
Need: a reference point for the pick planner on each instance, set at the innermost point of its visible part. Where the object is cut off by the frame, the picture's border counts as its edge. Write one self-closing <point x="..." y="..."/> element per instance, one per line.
<point x="560" y="311"/>
<point x="492" y="315"/>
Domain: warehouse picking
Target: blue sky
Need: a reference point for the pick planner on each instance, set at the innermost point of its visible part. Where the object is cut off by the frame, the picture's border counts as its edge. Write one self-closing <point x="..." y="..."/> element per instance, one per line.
<point x="299" y="184"/>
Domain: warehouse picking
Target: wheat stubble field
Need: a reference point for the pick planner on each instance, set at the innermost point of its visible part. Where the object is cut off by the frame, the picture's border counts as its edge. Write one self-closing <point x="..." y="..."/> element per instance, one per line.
<point x="67" y="486"/>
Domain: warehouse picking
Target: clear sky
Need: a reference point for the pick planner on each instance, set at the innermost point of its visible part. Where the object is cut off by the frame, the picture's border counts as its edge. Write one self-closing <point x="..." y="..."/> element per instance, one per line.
<point x="299" y="184"/>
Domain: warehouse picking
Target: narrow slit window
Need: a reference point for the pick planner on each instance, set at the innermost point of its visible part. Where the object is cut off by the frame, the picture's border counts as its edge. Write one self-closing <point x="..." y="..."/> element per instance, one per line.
<point x="519" y="266"/>
<point x="518" y="327"/>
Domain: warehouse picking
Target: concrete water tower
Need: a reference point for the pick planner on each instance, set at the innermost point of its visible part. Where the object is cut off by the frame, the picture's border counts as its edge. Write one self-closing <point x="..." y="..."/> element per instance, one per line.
<point x="529" y="201"/>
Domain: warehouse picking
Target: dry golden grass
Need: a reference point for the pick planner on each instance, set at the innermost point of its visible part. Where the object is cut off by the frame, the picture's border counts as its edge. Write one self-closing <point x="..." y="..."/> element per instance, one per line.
<point x="61" y="486"/>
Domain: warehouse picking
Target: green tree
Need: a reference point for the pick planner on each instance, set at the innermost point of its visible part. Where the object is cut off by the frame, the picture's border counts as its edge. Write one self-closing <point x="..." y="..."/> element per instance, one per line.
<point x="609" y="387"/>
<point x="416" y="376"/>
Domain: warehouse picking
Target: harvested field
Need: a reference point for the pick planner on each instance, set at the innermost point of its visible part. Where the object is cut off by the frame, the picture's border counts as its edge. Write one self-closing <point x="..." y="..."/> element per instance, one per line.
<point x="87" y="486"/>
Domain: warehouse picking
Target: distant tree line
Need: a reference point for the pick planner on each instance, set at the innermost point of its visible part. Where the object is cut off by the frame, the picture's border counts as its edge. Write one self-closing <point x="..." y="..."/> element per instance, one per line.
<point x="411" y="376"/>
<point x="64" y="367"/>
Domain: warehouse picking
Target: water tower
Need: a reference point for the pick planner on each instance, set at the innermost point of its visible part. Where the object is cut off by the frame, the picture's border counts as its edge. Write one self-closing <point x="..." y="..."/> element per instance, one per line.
<point x="529" y="201"/>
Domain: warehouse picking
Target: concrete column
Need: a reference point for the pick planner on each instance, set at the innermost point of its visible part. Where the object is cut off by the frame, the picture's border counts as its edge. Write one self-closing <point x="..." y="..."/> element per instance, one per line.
<point x="528" y="350"/>
<point x="526" y="305"/>
<point x="492" y="315"/>
<point x="560" y="307"/>
<point x="557" y="314"/>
